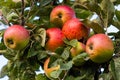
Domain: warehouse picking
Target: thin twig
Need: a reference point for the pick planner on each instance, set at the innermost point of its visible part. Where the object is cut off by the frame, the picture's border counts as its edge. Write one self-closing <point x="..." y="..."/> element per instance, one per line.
<point x="22" y="13"/>
<point x="15" y="10"/>
<point x="2" y="51"/>
<point x="65" y="75"/>
<point x="3" y="18"/>
<point x="17" y="56"/>
<point x="31" y="8"/>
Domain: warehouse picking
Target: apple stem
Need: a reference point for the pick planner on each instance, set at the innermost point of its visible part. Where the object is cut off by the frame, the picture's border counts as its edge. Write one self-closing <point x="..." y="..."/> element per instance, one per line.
<point x="2" y="51"/>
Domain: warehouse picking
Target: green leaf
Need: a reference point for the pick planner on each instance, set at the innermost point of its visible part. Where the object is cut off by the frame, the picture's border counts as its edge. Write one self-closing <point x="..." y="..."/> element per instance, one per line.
<point x="66" y="53"/>
<point x="3" y="71"/>
<point x="93" y="6"/>
<point x="116" y="2"/>
<point x="116" y="24"/>
<point x="69" y="78"/>
<point x="117" y="44"/>
<point x="41" y="77"/>
<point x="12" y="73"/>
<point x="10" y="4"/>
<point x="27" y="74"/>
<point x="72" y="42"/>
<point x="41" y="55"/>
<point x="117" y="13"/>
<point x="45" y="2"/>
<point x="45" y="13"/>
<point x="94" y="25"/>
<point x="10" y="65"/>
<point x="5" y="11"/>
<point x="59" y="50"/>
<point x="11" y="16"/>
<point x="86" y="71"/>
<point x="80" y="59"/>
<point x="10" y="54"/>
<point x="2" y="46"/>
<point x="107" y="12"/>
<point x="82" y="14"/>
<point x="87" y="74"/>
<point x="66" y="66"/>
<point x="24" y="69"/>
<point x="72" y="78"/>
<point x="55" y="74"/>
<point x="115" y="68"/>
<point x="34" y="49"/>
<point x="105" y="76"/>
<point x="32" y="53"/>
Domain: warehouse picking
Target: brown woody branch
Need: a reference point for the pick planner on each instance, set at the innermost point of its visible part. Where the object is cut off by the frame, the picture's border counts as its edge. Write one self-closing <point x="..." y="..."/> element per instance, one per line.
<point x="22" y="13"/>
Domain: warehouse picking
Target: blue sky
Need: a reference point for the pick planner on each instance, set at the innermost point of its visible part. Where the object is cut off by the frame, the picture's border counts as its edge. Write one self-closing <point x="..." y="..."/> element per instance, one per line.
<point x="3" y="60"/>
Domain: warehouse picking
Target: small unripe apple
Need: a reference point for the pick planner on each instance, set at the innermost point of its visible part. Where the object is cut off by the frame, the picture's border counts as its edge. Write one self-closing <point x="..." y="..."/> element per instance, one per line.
<point x="74" y="29"/>
<point x="16" y="37"/>
<point x="49" y="70"/>
<point x="60" y="14"/>
<point x="80" y="47"/>
<point x="55" y="38"/>
<point x="100" y="48"/>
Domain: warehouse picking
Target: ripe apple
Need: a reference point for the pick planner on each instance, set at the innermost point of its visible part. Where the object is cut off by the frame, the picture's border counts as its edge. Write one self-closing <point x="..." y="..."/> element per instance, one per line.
<point x="55" y="38"/>
<point x="74" y="29"/>
<point x="100" y="48"/>
<point x="60" y="14"/>
<point x="49" y="70"/>
<point x="16" y="37"/>
<point x="80" y="47"/>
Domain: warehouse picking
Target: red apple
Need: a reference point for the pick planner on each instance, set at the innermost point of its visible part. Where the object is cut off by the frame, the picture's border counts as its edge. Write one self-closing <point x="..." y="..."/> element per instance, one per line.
<point x="74" y="29"/>
<point x="80" y="47"/>
<point x="16" y="37"/>
<point x="55" y="39"/>
<point x="60" y="14"/>
<point x="100" y="48"/>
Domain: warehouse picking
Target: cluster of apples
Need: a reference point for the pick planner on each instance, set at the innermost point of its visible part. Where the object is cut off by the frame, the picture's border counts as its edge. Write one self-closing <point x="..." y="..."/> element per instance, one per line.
<point x="99" y="46"/>
<point x="66" y="26"/>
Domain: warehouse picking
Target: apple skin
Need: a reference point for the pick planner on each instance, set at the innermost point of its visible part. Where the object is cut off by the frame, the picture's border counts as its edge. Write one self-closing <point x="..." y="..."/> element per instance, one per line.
<point x="74" y="29"/>
<point x="80" y="47"/>
<point x="16" y="37"/>
<point x="60" y="14"/>
<point x="100" y="48"/>
<point x="55" y="38"/>
<point x="49" y="70"/>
